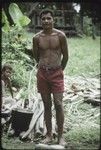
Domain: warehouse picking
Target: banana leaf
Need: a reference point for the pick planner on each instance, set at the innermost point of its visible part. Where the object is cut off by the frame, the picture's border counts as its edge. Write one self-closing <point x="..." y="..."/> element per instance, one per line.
<point x="17" y="16"/>
<point x="24" y="20"/>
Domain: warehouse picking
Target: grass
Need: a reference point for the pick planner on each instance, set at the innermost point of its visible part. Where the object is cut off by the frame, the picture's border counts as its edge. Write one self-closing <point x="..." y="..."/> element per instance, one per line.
<point x="84" y="56"/>
<point x="84" y="138"/>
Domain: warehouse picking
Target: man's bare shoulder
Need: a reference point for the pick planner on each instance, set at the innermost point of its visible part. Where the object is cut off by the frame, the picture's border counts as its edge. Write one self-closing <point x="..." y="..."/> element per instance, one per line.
<point x="37" y="35"/>
<point x="59" y="32"/>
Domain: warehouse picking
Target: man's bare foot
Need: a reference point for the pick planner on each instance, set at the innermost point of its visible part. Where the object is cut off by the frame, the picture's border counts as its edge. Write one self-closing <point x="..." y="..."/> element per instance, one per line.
<point x="47" y="140"/>
<point x="62" y="142"/>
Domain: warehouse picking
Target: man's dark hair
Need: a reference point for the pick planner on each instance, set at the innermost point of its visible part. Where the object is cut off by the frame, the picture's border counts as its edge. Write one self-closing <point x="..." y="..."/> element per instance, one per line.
<point x="45" y="11"/>
<point x="6" y="66"/>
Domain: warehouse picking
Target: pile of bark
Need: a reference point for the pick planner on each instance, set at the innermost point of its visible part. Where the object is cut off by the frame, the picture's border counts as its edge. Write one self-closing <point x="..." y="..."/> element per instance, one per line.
<point x="77" y="89"/>
<point x="81" y="102"/>
<point x="88" y="88"/>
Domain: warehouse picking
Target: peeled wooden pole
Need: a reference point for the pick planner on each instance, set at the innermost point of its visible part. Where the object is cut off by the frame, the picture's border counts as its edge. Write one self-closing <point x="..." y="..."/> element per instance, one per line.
<point x="37" y="127"/>
<point x="46" y="146"/>
<point x="35" y="116"/>
<point x="40" y="124"/>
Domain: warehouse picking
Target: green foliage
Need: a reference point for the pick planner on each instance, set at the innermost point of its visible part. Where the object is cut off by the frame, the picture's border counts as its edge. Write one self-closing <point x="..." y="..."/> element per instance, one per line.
<point x="5" y="22"/>
<point x="20" y="75"/>
<point x="19" y="19"/>
<point x="17" y="16"/>
<point x="13" y="51"/>
<point x="14" y="45"/>
<point x="87" y="26"/>
<point x="77" y="24"/>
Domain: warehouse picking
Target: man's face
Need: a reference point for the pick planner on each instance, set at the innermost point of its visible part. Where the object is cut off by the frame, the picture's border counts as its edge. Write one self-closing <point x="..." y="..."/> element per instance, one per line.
<point x="47" y="21"/>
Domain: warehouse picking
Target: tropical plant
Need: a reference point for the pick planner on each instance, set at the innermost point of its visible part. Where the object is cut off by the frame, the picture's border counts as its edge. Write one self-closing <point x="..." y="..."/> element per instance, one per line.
<point x="17" y="16"/>
<point x="19" y="19"/>
<point x="87" y="26"/>
<point x="14" y="44"/>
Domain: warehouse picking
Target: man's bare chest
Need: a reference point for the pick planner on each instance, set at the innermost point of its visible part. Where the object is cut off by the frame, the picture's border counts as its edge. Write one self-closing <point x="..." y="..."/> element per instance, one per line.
<point x="49" y="42"/>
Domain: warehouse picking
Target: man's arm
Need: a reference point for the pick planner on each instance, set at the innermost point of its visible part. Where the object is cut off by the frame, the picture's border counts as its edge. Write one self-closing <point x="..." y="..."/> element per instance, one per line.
<point x="35" y="49"/>
<point x="64" y="49"/>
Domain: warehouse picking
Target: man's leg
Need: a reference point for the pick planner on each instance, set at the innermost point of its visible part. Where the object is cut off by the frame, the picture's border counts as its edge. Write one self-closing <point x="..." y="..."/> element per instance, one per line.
<point x="46" y="97"/>
<point x="59" y="116"/>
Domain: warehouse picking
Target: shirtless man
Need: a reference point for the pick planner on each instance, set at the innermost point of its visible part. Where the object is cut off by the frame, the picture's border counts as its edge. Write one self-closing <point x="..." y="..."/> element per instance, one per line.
<point x="50" y="51"/>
